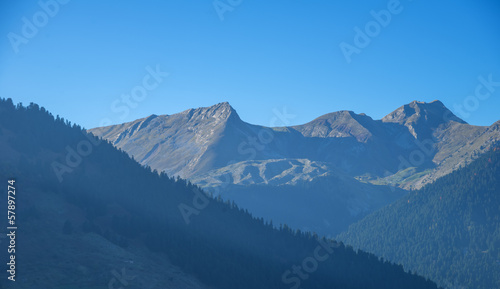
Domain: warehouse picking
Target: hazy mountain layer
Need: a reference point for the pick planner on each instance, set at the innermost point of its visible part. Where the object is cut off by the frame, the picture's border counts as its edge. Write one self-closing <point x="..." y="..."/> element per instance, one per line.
<point x="213" y="147"/>
<point x="310" y="196"/>
<point x="426" y="136"/>
<point x="86" y="210"/>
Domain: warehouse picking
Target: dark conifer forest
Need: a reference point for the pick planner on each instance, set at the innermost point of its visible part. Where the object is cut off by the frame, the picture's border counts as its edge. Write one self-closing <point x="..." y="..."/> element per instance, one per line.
<point x="448" y="231"/>
<point x="221" y="244"/>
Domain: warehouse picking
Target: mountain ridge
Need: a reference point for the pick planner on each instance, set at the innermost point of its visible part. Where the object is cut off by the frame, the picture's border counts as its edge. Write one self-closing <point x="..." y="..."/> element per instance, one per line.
<point x="209" y="128"/>
<point x="408" y="148"/>
<point x="109" y="214"/>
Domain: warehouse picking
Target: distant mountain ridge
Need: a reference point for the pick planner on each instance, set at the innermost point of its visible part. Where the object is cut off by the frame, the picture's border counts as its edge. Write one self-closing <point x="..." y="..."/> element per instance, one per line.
<point x="208" y="130"/>
<point x="413" y="145"/>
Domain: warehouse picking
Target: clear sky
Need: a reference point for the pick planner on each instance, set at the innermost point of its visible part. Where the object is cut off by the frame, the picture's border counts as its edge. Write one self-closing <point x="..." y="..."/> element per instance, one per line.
<point x="79" y="58"/>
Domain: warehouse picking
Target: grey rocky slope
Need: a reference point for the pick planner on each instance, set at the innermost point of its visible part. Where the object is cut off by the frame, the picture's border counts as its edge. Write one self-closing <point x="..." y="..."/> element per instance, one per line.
<point x="213" y="147"/>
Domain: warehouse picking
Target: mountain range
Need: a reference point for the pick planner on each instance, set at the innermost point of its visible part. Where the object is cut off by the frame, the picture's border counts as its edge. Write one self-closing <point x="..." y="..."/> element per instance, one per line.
<point x="333" y="170"/>
<point x="89" y="216"/>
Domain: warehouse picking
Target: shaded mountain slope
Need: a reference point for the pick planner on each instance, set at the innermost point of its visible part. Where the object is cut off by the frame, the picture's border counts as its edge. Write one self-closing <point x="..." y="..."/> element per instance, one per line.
<point x="56" y="250"/>
<point x="448" y="231"/>
<point x="132" y="207"/>
<point x="214" y="148"/>
<point x="303" y="194"/>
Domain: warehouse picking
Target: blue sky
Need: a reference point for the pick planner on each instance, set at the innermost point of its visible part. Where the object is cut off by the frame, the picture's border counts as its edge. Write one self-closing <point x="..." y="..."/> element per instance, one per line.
<point x="261" y="56"/>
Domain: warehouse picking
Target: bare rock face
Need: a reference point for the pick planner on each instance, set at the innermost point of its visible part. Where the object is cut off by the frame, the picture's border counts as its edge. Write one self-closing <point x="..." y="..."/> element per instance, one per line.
<point x="197" y="141"/>
<point x="337" y="124"/>
<point x="214" y="148"/>
<point x="179" y="144"/>
<point x="422" y="118"/>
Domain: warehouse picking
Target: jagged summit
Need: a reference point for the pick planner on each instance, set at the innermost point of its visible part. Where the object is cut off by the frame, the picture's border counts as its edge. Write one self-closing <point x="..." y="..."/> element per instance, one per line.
<point x="431" y="111"/>
<point x="221" y="111"/>
<point x="344" y="123"/>
<point x="422" y="117"/>
<point x="203" y="139"/>
<point x="187" y="136"/>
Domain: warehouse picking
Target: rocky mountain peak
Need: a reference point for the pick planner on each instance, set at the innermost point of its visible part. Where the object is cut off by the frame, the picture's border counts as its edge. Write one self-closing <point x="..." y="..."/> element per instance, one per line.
<point x="344" y="123"/>
<point x="219" y="112"/>
<point x="422" y="117"/>
<point x="435" y="112"/>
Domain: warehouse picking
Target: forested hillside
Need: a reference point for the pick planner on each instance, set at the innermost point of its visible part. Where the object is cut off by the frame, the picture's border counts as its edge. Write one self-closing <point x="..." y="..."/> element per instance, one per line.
<point x="130" y="205"/>
<point x="448" y="231"/>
